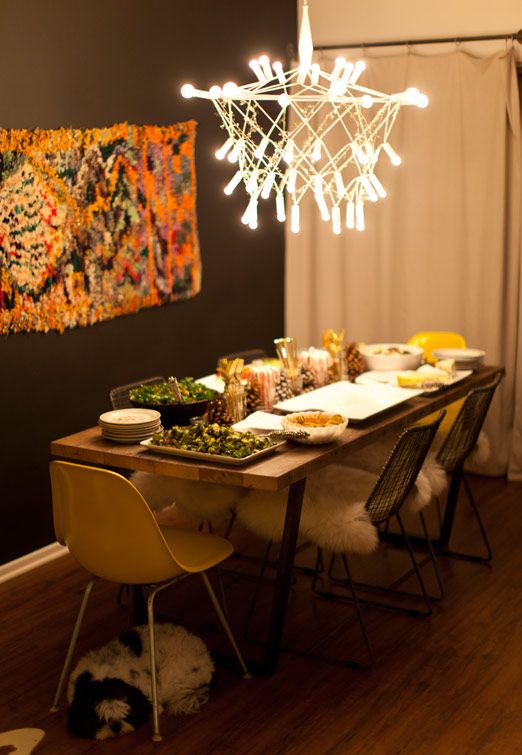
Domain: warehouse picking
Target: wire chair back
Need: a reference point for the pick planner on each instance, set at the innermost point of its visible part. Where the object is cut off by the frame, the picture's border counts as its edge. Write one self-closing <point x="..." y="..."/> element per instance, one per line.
<point x="400" y="470"/>
<point x="464" y="432"/>
<point x="119" y="396"/>
<point x="247" y="356"/>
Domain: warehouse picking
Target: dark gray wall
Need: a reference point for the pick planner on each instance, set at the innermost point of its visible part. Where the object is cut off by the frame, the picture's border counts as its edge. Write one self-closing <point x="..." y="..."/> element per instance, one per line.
<point x="83" y="64"/>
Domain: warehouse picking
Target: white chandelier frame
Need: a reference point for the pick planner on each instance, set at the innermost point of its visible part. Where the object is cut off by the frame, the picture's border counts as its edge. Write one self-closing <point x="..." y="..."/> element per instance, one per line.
<point x="273" y="158"/>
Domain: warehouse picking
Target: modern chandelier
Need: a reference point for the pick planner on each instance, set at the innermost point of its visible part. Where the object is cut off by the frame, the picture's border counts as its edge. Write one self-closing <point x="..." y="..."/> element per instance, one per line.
<point x="306" y="130"/>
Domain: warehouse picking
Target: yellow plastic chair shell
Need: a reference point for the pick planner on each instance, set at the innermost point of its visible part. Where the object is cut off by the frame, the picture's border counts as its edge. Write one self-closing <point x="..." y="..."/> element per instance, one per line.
<point x="109" y="528"/>
<point x="440" y="339"/>
<point x="111" y="531"/>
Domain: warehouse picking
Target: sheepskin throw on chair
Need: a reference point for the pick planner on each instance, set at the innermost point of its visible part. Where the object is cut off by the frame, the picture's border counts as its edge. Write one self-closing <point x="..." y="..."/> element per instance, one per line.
<point x="95" y="223"/>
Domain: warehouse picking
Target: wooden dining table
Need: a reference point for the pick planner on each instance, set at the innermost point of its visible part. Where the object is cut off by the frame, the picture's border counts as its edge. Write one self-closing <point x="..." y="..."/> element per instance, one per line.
<point x="286" y="469"/>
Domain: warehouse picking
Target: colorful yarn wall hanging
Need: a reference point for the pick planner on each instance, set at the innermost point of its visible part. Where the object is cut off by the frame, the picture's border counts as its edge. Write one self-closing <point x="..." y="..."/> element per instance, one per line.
<point x="95" y="223"/>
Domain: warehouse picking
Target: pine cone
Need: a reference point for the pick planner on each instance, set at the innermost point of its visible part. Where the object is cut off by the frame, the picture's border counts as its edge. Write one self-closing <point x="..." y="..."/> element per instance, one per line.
<point x="284" y="388"/>
<point x="217" y="412"/>
<point x="253" y="398"/>
<point x="308" y="379"/>
<point x="354" y="361"/>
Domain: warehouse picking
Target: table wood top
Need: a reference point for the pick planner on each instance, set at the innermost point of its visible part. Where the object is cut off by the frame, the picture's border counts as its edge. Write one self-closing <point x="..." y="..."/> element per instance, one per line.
<point x="289" y="463"/>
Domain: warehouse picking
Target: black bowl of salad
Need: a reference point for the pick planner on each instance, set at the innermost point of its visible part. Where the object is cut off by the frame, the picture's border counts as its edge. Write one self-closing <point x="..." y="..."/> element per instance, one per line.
<point x="195" y="400"/>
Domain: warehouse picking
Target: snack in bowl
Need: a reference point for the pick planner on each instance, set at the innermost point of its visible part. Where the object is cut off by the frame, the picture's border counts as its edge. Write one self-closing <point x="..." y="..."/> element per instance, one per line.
<point x="391" y="356"/>
<point x="322" y="427"/>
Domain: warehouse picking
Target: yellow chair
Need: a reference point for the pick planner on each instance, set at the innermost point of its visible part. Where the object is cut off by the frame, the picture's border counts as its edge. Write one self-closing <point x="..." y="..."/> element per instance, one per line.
<point x="110" y="530"/>
<point x="440" y="339"/>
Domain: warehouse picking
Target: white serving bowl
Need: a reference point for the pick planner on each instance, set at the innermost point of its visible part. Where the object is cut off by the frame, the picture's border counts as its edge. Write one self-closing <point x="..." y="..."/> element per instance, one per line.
<point x="376" y="358"/>
<point x="316" y="435"/>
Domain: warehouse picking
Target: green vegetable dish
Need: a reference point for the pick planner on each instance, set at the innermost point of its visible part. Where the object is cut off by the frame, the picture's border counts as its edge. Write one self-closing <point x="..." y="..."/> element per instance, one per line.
<point x="211" y="439"/>
<point x="162" y="394"/>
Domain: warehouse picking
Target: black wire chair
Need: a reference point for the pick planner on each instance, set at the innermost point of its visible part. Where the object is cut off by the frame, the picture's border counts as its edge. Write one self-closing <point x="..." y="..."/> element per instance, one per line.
<point x="395" y="481"/>
<point x="453" y="453"/>
<point x="248" y="356"/>
<point x="119" y="396"/>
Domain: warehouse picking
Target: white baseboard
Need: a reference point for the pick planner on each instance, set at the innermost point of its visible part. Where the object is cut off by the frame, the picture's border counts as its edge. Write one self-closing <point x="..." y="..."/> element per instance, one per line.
<point x="31" y="561"/>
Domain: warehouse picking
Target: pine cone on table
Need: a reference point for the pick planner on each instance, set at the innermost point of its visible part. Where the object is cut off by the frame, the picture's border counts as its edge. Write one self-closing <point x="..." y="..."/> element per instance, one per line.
<point x="354" y="361"/>
<point x="217" y="412"/>
<point x="284" y="388"/>
<point x="308" y="379"/>
<point x="253" y="398"/>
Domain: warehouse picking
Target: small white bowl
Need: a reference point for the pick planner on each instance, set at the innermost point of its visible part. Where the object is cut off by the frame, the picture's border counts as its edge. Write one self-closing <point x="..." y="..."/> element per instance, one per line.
<point x="316" y="435"/>
<point x="376" y="356"/>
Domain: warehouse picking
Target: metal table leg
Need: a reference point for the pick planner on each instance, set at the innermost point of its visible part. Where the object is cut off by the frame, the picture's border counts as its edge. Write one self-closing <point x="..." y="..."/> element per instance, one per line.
<point x="283" y="579"/>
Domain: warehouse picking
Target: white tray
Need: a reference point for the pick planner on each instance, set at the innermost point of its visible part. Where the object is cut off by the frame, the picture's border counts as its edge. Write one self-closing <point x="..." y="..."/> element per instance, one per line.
<point x="357" y="402"/>
<point x="374" y="377"/>
<point x="216" y="458"/>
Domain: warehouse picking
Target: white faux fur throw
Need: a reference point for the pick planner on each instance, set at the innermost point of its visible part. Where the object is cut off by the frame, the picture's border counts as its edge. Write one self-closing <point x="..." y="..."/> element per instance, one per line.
<point x="333" y="515"/>
<point x="200" y="501"/>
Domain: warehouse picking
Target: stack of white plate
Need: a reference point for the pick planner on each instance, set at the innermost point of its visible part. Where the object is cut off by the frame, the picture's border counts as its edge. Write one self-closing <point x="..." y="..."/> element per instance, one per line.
<point x="465" y="359"/>
<point x="129" y="425"/>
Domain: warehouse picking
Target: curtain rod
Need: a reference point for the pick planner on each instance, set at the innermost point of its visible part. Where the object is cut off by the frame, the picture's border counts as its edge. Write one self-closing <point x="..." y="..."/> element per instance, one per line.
<point x="515" y="37"/>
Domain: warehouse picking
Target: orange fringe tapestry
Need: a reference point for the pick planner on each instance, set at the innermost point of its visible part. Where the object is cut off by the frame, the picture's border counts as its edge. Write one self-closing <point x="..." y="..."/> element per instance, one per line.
<point x="95" y="223"/>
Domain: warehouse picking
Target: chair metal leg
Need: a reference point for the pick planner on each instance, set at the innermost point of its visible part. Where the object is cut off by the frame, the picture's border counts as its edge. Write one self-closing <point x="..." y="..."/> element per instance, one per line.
<point x="355" y="600"/>
<point x="432" y="558"/>
<point x="470" y="556"/>
<point x="72" y="643"/>
<point x="225" y="625"/>
<point x="418" y="574"/>
<point x="156" y="736"/>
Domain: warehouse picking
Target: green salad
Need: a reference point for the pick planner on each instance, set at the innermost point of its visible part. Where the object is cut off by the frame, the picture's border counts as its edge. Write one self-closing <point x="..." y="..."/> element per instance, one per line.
<point x="211" y="439"/>
<point x="162" y="394"/>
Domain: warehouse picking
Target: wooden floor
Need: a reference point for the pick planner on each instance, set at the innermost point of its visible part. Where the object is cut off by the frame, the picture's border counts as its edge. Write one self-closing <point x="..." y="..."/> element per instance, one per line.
<point x="451" y="684"/>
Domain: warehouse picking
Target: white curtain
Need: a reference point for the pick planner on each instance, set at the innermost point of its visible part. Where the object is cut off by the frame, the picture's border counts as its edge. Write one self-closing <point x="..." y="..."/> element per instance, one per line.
<point x="443" y="250"/>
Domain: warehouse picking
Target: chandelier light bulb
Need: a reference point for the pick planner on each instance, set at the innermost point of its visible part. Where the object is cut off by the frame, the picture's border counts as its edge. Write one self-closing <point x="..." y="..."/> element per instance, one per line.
<point x="265" y="66"/>
<point x="279" y="72"/>
<point x="233" y="156"/>
<point x="234" y="181"/>
<point x="301" y="156"/>
<point x="292" y="175"/>
<point x="394" y="157"/>
<point x="358" y="68"/>
<point x="255" y="66"/>
<point x="359" y="153"/>
<point x="288" y="154"/>
<point x="222" y="151"/>
<point x="339" y="184"/>
<point x="377" y="185"/>
<point x="280" y="207"/>
<point x="230" y="88"/>
<point x="267" y="185"/>
<point x="260" y="151"/>
<point x="187" y="90"/>
<point x="370" y="191"/>
<point x="336" y="220"/>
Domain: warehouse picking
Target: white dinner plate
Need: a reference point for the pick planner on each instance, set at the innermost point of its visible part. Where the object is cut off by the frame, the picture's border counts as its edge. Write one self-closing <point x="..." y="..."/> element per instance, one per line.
<point x="390" y="378"/>
<point x="357" y="402"/>
<point x="129" y="417"/>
